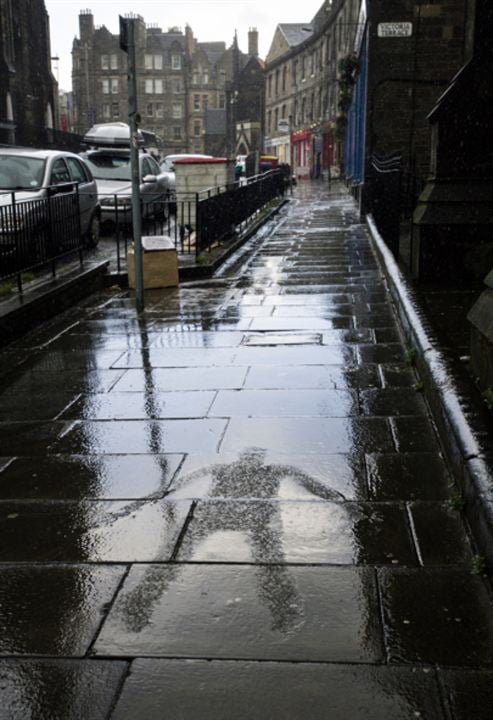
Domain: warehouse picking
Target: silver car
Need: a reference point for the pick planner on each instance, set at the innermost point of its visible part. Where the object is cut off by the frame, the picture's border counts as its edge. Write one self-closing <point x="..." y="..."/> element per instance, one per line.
<point x="28" y="176"/>
<point x="111" y="168"/>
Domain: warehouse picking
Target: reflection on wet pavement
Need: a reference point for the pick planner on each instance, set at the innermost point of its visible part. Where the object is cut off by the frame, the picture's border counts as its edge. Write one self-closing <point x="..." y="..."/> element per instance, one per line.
<point x="243" y="472"/>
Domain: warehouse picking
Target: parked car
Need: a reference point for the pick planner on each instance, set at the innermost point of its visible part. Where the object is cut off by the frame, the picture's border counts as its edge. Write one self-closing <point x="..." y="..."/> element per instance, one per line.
<point x="44" y="193"/>
<point x="112" y="171"/>
<point x="108" y="157"/>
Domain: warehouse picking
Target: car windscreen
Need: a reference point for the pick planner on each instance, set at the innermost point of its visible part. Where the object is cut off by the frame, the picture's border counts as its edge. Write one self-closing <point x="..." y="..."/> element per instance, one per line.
<point x="107" y="166"/>
<point x="20" y="172"/>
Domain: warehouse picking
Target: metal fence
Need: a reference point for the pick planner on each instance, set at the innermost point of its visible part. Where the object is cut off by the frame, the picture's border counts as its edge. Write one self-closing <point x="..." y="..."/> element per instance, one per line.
<point x="36" y="233"/>
<point x="195" y="223"/>
<point x="40" y="137"/>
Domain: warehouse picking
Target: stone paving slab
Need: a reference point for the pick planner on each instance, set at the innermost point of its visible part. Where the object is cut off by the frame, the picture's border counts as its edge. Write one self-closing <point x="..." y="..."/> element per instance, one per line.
<point x="303" y="435"/>
<point x="139" y="406"/>
<point x="53" y="610"/>
<point x="264" y="612"/>
<point x="141" y="437"/>
<point x="56" y="689"/>
<point x="298" y="532"/>
<point x="269" y="475"/>
<point x="89" y="532"/>
<point x="174" y="379"/>
<point x="88" y="477"/>
<point x="277" y="691"/>
<point x="284" y="403"/>
<point x="437" y="616"/>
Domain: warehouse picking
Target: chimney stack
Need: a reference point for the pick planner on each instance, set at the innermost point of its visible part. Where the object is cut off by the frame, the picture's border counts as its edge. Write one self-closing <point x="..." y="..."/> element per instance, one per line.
<point x="253" y="42"/>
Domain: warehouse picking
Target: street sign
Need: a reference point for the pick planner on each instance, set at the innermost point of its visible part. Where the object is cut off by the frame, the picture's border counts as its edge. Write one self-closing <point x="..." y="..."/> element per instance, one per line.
<point x="283" y="125"/>
<point x="395" y="29"/>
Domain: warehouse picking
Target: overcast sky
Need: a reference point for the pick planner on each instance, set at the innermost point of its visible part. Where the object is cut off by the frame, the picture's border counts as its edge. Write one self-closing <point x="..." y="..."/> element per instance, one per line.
<point x="209" y="19"/>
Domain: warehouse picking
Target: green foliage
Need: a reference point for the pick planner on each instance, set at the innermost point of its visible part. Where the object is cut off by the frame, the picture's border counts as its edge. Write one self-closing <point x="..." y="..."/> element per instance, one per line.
<point x="488" y="397"/>
<point x="419" y="386"/>
<point x="457" y="501"/>
<point x="201" y="260"/>
<point x="348" y="73"/>
<point x="6" y="289"/>
<point x="478" y="565"/>
<point x="410" y="357"/>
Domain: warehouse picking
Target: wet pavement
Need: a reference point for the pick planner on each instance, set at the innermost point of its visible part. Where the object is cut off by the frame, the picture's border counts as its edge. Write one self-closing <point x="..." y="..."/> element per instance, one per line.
<point x="236" y="505"/>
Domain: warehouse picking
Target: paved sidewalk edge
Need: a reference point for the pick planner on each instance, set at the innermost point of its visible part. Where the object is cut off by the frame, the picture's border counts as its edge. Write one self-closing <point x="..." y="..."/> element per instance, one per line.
<point x="460" y="441"/>
<point x="22" y="313"/>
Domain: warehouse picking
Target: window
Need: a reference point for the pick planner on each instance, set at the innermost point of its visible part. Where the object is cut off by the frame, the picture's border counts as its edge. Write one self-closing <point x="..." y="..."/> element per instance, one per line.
<point x="149" y="110"/>
<point x="158" y="110"/>
<point x="177" y="112"/>
<point x="153" y="86"/>
<point x="284" y="76"/>
<point x="205" y="101"/>
<point x="77" y="170"/>
<point x="153" y="62"/>
<point x="105" y="85"/>
<point x="269" y="120"/>
<point x="276" y="90"/>
<point x="177" y="86"/>
<point x="176" y="61"/>
<point x="115" y="89"/>
<point x="115" y="110"/>
<point x="270" y="85"/>
<point x="106" y="110"/>
<point x="222" y="102"/>
<point x="197" y="129"/>
<point x="196" y="102"/>
<point x="105" y="62"/>
<point x="205" y="77"/>
<point x="59" y="173"/>
<point x="114" y="61"/>
<point x="177" y="132"/>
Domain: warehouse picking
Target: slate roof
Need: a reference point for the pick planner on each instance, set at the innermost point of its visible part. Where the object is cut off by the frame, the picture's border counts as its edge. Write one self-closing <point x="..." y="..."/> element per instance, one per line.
<point x="296" y="33"/>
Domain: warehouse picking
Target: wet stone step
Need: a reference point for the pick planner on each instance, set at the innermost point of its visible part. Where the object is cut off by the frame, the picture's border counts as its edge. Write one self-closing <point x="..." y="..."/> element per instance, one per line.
<point x="284" y="403"/>
<point x="277" y="691"/>
<point x="140" y="406"/>
<point x="312" y="376"/>
<point x="174" y="379"/>
<point x="274" y="612"/>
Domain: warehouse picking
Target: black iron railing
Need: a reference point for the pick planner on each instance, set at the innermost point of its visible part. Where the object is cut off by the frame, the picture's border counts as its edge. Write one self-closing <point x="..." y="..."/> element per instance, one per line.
<point x="36" y="233"/>
<point x="385" y="197"/>
<point x="194" y="223"/>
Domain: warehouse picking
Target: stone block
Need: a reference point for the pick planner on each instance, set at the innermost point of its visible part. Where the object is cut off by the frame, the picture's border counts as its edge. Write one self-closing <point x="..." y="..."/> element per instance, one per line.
<point x="160" y="266"/>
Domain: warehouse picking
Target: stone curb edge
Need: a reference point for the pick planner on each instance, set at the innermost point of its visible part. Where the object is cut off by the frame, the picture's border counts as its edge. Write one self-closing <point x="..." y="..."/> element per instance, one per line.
<point x="461" y="444"/>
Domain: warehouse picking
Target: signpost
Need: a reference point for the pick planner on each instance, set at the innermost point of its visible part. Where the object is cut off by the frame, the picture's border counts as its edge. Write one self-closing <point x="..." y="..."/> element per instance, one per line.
<point x="127" y="44"/>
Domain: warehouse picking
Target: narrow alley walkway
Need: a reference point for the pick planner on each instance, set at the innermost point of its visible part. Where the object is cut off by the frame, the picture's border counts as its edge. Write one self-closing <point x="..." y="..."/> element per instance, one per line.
<point x="235" y="506"/>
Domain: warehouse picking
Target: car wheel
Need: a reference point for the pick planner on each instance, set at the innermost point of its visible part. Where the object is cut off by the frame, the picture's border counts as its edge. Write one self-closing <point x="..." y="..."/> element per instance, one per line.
<point x="93" y="232"/>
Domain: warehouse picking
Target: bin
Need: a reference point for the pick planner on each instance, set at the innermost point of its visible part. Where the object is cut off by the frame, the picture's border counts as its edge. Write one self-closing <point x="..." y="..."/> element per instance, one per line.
<point x="159" y="263"/>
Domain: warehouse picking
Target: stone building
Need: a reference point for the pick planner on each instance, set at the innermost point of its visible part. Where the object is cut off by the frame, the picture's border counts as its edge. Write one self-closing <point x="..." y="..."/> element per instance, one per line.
<point x="407" y="54"/>
<point x="99" y="79"/>
<point x="184" y="86"/>
<point x="28" y="90"/>
<point x="302" y="98"/>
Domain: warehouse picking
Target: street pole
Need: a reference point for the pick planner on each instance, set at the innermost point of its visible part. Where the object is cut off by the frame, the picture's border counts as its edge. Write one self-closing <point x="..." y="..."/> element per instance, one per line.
<point x="127" y="43"/>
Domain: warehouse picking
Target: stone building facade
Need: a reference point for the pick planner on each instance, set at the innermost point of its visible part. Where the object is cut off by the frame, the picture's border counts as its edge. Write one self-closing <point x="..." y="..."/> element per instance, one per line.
<point x="99" y="80"/>
<point x="302" y="99"/>
<point x="184" y="86"/>
<point x="28" y="90"/>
